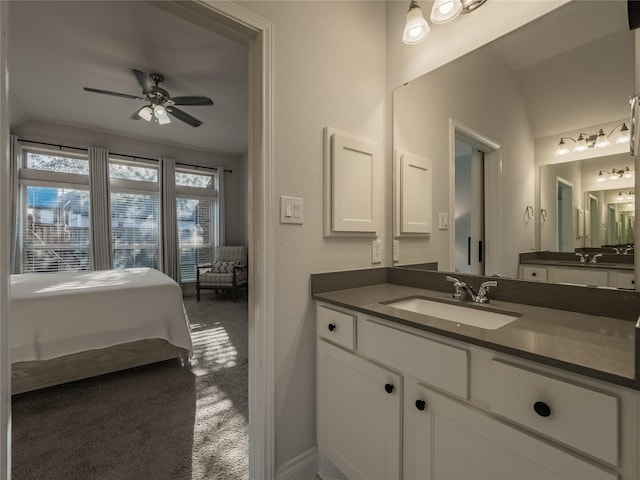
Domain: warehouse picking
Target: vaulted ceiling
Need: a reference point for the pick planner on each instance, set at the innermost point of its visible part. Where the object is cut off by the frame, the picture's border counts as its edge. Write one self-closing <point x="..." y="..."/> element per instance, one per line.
<point x="57" y="48"/>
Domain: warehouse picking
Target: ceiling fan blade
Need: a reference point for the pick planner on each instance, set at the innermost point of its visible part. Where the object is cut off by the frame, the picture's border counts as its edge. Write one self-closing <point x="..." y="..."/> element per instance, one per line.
<point x="143" y="79"/>
<point x="115" y="94"/>
<point x="184" y="116"/>
<point x="192" y="101"/>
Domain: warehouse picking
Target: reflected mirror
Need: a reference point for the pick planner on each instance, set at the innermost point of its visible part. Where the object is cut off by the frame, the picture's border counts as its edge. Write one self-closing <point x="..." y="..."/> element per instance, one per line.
<point x="508" y="104"/>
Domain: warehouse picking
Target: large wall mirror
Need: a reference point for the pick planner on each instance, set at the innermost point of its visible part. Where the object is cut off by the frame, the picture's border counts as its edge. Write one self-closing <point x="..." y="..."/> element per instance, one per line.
<point x="490" y="122"/>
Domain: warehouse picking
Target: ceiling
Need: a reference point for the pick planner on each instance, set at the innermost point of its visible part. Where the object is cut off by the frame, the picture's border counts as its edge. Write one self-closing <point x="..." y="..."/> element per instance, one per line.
<point x="57" y="48"/>
<point x="575" y="66"/>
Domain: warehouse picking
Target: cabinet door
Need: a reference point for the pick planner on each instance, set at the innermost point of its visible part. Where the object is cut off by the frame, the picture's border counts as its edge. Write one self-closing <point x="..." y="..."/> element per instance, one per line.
<point x="450" y="440"/>
<point x="359" y="408"/>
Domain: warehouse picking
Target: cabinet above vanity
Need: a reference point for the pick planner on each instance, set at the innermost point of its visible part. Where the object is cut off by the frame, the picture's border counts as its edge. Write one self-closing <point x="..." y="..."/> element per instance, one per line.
<point x="405" y="393"/>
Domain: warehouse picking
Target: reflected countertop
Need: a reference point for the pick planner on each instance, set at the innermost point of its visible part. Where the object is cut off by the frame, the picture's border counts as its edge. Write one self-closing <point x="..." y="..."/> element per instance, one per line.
<point x="592" y="345"/>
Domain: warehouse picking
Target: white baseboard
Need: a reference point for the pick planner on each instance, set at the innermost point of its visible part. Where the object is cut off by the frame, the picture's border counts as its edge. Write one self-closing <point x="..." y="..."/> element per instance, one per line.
<point x="302" y="467"/>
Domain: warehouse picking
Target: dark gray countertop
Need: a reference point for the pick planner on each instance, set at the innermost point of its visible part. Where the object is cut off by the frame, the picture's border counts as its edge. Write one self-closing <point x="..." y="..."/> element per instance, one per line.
<point x="568" y="263"/>
<point x="592" y="345"/>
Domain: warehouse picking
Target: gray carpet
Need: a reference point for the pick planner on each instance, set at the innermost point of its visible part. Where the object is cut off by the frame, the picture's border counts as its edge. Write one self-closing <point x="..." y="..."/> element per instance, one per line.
<point x="156" y="422"/>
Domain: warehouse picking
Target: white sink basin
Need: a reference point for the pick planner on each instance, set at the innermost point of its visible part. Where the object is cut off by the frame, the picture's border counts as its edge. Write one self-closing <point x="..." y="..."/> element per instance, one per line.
<point x="486" y="319"/>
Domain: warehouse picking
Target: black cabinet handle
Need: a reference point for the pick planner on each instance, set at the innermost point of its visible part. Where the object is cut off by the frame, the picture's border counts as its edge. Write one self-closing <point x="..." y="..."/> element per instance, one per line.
<point x="542" y="409"/>
<point x="332" y="327"/>
<point x="534" y="274"/>
<point x="388" y="388"/>
<point x="421" y="405"/>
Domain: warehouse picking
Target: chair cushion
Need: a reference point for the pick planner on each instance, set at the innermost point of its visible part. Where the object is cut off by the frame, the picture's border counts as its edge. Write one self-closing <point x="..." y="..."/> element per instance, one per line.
<point x="216" y="280"/>
<point x="223" y="267"/>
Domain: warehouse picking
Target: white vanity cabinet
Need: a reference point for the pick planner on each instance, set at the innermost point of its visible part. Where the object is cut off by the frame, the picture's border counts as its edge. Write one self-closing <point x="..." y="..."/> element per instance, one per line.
<point x="395" y="402"/>
<point x="579" y="274"/>
<point x="449" y="439"/>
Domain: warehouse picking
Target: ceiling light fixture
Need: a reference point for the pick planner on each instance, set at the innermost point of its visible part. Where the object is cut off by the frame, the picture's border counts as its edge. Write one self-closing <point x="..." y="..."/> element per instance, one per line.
<point x="444" y="11"/>
<point x="599" y="140"/>
<point x="416" y="28"/>
<point x="157" y="112"/>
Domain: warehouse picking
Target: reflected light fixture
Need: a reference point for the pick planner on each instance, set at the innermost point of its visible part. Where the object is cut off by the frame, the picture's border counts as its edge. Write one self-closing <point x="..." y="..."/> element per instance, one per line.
<point x="416" y="28"/>
<point x="599" y="140"/>
<point x="444" y="11"/>
<point x="615" y="174"/>
<point x="157" y="112"/>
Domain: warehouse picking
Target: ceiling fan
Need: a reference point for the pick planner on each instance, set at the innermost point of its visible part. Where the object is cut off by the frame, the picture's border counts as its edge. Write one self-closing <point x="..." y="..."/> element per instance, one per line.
<point x="159" y="104"/>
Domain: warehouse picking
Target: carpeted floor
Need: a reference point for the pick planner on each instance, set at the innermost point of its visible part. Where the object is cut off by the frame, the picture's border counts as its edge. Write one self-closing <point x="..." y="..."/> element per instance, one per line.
<point x="160" y="422"/>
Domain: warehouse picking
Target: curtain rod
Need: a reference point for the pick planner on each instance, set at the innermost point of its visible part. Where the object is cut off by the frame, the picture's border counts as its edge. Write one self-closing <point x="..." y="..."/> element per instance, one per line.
<point x="134" y="157"/>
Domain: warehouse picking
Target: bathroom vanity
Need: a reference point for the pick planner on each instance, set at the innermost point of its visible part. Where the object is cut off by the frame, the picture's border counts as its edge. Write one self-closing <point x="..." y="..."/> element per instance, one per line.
<point x="533" y="390"/>
<point x="609" y="270"/>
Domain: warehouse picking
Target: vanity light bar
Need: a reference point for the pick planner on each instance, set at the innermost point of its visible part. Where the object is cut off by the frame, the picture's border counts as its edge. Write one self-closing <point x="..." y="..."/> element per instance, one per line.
<point x="599" y="140"/>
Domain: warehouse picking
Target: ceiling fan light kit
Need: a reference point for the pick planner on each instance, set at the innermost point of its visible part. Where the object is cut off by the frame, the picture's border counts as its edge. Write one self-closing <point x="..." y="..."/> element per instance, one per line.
<point x="159" y="105"/>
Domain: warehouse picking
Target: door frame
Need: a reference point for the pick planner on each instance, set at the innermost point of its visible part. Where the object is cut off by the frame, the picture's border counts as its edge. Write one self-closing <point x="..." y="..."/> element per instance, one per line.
<point x="492" y="192"/>
<point x="240" y="24"/>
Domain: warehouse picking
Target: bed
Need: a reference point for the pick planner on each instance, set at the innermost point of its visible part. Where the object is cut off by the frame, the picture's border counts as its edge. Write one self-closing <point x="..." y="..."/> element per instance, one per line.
<point x="73" y="325"/>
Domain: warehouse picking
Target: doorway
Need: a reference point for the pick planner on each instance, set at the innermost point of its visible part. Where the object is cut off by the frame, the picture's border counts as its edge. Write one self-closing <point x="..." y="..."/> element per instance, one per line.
<point x="469" y="207"/>
<point x="258" y="34"/>
<point x="564" y="207"/>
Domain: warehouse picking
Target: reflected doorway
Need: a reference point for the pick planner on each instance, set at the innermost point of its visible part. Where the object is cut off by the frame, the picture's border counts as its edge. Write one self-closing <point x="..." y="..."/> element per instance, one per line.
<point x="469" y="207"/>
<point x="564" y="208"/>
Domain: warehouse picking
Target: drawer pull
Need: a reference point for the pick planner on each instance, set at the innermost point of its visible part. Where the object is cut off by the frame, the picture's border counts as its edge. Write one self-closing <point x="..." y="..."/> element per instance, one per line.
<point x="332" y="327"/>
<point x="542" y="409"/>
<point x="534" y="274"/>
<point x="388" y="388"/>
<point x="421" y="405"/>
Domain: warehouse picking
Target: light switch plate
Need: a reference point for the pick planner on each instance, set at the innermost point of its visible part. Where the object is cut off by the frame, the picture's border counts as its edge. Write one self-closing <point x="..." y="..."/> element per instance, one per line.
<point x="443" y="220"/>
<point x="291" y="210"/>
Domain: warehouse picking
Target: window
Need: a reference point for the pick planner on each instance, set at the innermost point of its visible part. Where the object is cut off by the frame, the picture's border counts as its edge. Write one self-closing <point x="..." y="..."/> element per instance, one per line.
<point x="54" y="215"/>
<point x="135" y="208"/>
<point x="197" y="220"/>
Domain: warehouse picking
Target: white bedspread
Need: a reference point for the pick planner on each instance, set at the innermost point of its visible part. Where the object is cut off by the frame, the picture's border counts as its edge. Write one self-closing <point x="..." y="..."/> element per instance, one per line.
<point x="55" y="314"/>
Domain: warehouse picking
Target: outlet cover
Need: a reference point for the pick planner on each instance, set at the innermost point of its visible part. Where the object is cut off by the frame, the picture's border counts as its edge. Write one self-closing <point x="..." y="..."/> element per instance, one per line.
<point x="376" y="251"/>
<point x="396" y="250"/>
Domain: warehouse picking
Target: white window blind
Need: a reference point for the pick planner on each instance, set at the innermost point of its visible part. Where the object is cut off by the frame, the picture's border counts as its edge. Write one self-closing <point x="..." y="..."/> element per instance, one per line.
<point x="197" y="222"/>
<point x="135" y="209"/>
<point x="54" y="217"/>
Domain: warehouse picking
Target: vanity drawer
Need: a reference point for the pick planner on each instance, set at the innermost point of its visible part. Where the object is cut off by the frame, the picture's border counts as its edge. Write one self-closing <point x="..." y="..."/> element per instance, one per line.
<point x="336" y="326"/>
<point x="437" y="364"/>
<point x="580" y="417"/>
<point x="534" y="274"/>
<point x="625" y="280"/>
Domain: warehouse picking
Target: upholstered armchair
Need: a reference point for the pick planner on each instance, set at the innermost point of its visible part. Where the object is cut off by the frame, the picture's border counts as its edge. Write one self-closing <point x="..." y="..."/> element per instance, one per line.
<point x="228" y="271"/>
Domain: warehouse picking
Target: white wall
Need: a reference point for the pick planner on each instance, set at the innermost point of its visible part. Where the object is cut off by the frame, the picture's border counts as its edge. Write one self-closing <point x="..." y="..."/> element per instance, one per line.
<point x="330" y="68"/>
<point x="235" y="183"/>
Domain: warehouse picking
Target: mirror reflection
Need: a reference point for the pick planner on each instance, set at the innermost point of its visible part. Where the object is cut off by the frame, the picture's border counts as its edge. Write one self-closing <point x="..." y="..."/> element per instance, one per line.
<point x="490" y="124"/>
<point x="584" y="204"/>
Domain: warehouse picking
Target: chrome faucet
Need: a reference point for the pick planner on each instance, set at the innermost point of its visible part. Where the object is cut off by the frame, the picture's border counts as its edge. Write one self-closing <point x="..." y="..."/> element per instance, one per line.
<point x="628" y="250"/>
<point x="484" y="290"/>
<point x="583" y="257"/>
<point x="460" y="288"/>
<point x="594" y="259"/>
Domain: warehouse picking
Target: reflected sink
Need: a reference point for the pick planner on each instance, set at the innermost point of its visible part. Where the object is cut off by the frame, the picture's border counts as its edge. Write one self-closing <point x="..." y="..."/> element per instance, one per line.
<point x="487" y="319"/>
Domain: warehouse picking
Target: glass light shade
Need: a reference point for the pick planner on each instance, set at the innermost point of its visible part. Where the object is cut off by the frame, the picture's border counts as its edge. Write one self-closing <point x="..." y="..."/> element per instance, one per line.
<point x="602" y="140"/>
<point x="562" y="148"/>
<point x="600" y="177"/>
<point x="581" y="144"/>
<point x="416" y="28"/>
<point x="161" y="115"/>
<point x="623" y="135"/>
<point x="444" y="11"/>
<point x="146" y="113"/>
